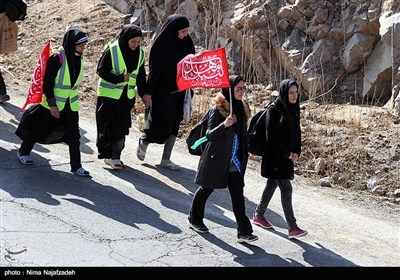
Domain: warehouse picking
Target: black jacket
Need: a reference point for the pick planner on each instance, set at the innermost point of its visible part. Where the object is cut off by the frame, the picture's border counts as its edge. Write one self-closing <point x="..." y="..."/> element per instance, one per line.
<point x="213" y="168"/>
<point x="275" y="162"/>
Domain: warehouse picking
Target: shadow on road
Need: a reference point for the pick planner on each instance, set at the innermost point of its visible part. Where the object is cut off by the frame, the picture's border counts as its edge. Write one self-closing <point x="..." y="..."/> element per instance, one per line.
<point x="258" y="257"/>
<point x="42" y="183"/>
<point x="321" y="256"/>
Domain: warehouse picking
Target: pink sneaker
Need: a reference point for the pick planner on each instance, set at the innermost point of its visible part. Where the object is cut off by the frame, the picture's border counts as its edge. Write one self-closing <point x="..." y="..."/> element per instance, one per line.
<point x="262" y="222"/>
<point x="297" y="232"/>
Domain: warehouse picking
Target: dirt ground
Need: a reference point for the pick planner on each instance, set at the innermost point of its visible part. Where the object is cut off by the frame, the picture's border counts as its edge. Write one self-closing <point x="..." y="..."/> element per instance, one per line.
<point x="350" y="147"/>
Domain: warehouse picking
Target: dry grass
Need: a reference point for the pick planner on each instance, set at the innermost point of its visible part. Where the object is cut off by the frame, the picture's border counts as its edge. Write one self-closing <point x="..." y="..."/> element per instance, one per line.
<point x="358" y="145"/>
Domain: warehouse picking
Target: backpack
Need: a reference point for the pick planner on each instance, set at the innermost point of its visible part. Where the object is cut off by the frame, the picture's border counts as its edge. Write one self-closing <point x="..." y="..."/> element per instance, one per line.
<point x="196" y="133"/>
<point x="15" y="9"/>
<point x="257" y="131"/>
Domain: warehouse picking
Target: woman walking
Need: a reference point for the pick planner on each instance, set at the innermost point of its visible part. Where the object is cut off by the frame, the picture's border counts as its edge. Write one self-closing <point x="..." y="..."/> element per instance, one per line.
<point x="224" y="160"/>
<point x="121" y="70"/>
<point x="56" y="118"/>
<point x="162" y="99"/>
<point x="281" y="152"/>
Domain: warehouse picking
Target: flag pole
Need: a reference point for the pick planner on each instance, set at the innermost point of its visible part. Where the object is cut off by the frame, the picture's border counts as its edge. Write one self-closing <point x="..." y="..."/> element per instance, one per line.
<point x="231" y="101"/>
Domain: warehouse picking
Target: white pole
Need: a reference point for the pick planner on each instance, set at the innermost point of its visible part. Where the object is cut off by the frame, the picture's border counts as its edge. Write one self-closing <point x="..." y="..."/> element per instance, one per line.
<point x="230" y="103"/>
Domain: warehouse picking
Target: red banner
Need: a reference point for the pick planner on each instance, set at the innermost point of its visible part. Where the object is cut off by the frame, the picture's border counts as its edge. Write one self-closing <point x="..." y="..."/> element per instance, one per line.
<point x="208" y="69"/>
<point x="35" y="90"/>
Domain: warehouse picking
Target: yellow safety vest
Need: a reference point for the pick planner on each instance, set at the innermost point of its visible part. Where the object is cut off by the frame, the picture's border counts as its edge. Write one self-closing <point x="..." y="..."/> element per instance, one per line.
<point x="62" y="88"/>
<point x="114" y="91"/>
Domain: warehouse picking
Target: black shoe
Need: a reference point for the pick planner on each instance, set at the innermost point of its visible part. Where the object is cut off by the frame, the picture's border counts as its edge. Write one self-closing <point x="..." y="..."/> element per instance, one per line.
<point x="199" y="227"/>
<point x="247" y="238"/>
<point x="4" y="98"/>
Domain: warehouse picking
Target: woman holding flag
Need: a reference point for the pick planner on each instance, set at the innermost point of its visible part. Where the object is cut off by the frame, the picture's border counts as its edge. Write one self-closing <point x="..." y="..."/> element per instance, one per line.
<point x="163" y="100"/>
<point x="224" y="160"/>
<point x="56" y="118"/>
<point x="121" y="69"/>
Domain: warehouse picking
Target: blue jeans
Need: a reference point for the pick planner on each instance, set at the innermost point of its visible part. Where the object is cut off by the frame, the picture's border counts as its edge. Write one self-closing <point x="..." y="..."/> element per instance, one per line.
<point x="286" y="199"/>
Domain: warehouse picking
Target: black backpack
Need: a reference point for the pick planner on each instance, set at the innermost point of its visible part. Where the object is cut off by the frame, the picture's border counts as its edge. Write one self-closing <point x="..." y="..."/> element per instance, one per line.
<point x="15" y="9"/>
<point x="196" y="133"/>
<point x="257" y="131"/>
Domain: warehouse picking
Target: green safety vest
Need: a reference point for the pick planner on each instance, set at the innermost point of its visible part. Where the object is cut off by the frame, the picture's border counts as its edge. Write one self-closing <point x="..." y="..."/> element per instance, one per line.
<point x="114" y="91"/>
<point x="62" y="87"/>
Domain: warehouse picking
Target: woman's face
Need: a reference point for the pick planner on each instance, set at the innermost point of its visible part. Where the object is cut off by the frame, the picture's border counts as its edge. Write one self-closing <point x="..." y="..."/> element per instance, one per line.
<point x="80" y="48"/>
<point x="183" y="33"/>
<point x="292" y="94"/>
<point x="238" y="90"/>
<point x="134" y="42"/>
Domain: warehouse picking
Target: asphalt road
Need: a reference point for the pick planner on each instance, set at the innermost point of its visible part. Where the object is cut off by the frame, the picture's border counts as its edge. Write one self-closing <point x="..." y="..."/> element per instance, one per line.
<point x="137" y="217"/>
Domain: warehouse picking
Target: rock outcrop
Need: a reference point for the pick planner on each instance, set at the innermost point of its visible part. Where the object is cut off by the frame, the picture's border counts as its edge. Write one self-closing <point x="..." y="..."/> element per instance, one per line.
<point x="342" y="51"/>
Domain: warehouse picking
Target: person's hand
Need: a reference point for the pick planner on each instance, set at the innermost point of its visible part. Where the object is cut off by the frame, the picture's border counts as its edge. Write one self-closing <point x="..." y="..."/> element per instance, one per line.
<point x="146" y="100"/>
<point x="228" y="121"/>
<point x="54" y="112"/>
<point x="294" y="157"/>
<point x="126" y="77"/>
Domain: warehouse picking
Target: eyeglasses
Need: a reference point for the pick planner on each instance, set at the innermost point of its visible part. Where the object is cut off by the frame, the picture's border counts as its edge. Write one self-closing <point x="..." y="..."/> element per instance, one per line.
<point x="240" y="88"/>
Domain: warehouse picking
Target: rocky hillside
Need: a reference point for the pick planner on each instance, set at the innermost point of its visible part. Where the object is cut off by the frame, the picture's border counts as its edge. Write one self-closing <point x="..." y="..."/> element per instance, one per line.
<point x="340" y="51"/>
<point x="349" y="139"/>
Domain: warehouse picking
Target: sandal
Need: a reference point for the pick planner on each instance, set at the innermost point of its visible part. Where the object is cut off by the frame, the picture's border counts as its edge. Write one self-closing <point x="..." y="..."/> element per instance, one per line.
<point x="81" y="172"/>
<point x="25" y="159"/>
<point x="114" y="163"/>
